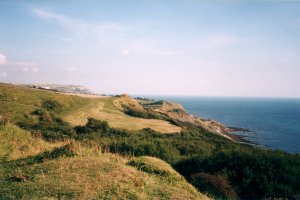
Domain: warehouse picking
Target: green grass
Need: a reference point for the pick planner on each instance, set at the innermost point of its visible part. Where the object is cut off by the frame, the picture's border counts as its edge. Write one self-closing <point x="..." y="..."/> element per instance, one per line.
<point x="19" y="102"/>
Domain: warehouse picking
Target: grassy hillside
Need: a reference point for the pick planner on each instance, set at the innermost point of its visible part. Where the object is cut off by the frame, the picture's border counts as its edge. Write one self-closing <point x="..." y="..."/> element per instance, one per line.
<point x="81" y="171"/>
<point x="17" y="143"/>
<point x="213" y="164"/>
<point x="104" y="109"/>
<point x="19" y="103"/>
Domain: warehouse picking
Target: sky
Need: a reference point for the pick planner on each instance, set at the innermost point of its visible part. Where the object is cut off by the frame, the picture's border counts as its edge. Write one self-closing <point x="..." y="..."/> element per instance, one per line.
<point x="154" y="47"/>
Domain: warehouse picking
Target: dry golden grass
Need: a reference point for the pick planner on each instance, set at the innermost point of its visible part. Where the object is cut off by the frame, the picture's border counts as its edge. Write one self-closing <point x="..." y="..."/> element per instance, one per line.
<point x="103" y="109"/>
<point x="17" y="102"/>
<point x="90" y="174"/>
<point x="103" y="177"/>
<point x="16" y="143"/>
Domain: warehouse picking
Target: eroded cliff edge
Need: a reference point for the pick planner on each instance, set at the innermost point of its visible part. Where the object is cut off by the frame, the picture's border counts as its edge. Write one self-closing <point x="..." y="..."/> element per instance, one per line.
<point x="149" y="108"/>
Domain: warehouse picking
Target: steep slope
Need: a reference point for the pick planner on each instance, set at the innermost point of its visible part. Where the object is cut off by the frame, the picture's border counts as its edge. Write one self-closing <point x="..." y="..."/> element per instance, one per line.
<point x="81" y="171"/>
<point x="125" y="102"/>
<point x="177" y="112"/>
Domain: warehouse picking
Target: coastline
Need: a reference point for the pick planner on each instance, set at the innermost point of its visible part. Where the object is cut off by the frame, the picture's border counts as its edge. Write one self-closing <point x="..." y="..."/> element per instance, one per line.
<point x="176" y="111"/>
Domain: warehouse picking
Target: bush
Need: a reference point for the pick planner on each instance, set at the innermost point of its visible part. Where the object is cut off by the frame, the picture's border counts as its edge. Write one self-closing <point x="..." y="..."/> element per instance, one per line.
<point x="51" y="105"/>
<point x="255" y="174"/>
<point x="97" y="125"/>
<point x="82" y="129"/>
<point x="215" y="184"/>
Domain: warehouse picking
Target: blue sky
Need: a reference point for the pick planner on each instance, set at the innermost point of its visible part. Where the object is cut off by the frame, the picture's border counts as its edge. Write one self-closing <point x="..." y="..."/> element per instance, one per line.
<point x="183" y="47"/>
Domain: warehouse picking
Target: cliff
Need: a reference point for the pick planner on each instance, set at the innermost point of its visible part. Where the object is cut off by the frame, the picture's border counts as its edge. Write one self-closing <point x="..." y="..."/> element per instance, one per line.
<point x="177" y="112"/>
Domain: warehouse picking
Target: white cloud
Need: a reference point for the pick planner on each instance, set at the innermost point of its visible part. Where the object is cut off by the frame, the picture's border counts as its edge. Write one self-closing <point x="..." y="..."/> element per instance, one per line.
<point x="27" y="66"/>
<point x="71" y="69"/>
<point x="72" y="24"/>
<point x="108" y="33"/>
<point x="3" y="59"/>
<point x="80" y="28"/>
<point x="3" y="74"/>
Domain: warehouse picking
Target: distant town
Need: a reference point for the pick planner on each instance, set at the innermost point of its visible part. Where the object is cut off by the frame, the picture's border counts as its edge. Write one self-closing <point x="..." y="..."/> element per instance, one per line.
<point x="76" y="89"/>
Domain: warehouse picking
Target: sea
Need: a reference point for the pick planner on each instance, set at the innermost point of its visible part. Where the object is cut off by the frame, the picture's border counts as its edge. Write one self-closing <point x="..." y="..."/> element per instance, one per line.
<point x="273" y="122"/>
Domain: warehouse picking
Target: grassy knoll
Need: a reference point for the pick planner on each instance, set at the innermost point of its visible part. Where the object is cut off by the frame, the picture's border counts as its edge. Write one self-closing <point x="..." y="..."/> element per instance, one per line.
<point x="82" y="171"/>
<point x="16" y="143"/>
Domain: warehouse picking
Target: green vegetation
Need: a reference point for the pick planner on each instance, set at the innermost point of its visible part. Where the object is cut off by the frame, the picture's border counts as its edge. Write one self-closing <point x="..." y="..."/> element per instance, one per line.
<point x="19" y="102"/>
<point x="93" y="125"/>
<point x="169" y="147"/>
<point x="55" y="153"/>
<point x="77" y="170"/>
<point x="215" y="184"/>
<point x="16" y="143"/>
<point x="146" y="115"/>
<point x="212" y="164"/>
<point x="254" y="173"/>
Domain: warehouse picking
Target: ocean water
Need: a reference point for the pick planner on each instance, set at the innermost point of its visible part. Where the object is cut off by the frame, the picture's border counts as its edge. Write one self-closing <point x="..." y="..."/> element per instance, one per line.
<point x="274" y="122"/>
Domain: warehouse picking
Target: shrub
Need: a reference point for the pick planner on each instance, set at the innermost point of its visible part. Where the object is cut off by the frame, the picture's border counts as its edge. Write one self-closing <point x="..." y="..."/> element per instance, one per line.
<point x="254" y="173"/>
<point x="97" y="125"/>
<point x="51" y="105"/>
<point x="216" y="185"/>
<point x="82" y="129"/>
